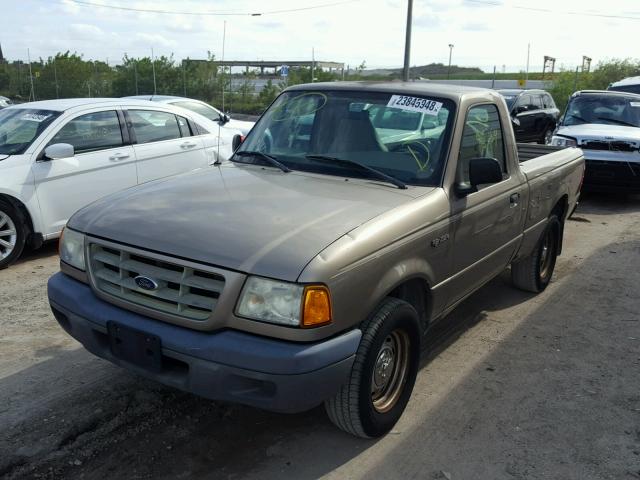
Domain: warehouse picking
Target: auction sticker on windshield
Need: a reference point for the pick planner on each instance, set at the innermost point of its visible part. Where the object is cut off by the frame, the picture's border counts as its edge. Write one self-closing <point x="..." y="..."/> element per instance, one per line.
<point x="415" y="104"/>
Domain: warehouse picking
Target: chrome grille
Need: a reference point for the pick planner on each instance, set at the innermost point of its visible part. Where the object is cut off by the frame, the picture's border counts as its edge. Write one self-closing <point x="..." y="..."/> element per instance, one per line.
<point x="182" y="291"/>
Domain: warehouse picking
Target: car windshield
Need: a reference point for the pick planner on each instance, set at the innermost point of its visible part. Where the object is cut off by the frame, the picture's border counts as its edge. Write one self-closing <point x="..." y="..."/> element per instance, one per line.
<point x="404" y="137"/>
<point x="204" y="110"/>
<point x="601" y="109"/>
<point x="19" y="127"/>
<point x="510" y="99"/>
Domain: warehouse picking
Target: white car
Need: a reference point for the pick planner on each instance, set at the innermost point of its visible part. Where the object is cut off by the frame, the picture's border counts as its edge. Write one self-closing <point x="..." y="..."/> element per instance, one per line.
<point x="203" y="109"/>
<point x="57" y="156"/>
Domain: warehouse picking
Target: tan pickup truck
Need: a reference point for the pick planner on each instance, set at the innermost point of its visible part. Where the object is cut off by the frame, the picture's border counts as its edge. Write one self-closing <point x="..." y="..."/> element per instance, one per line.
<point x="309" y="267"/>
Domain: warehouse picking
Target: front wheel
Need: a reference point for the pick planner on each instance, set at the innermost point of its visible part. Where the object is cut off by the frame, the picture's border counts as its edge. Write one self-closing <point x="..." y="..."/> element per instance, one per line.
<point x="383" y="373"/>
<point x="533" y="273"/>
<point x="12" y="234"/>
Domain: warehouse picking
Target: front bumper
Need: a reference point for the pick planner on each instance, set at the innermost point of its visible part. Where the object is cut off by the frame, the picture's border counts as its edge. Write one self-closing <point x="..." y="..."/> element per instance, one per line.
<point x="226" y="365"/>
<point x="611" y="176"/>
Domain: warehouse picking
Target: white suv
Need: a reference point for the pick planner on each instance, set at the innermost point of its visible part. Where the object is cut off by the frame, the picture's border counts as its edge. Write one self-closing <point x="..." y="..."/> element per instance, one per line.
<point x="58" y="156"/>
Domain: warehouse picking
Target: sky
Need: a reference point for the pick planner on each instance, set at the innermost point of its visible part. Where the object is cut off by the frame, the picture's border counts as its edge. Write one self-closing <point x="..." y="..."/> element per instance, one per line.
<point x="484" y="32"/>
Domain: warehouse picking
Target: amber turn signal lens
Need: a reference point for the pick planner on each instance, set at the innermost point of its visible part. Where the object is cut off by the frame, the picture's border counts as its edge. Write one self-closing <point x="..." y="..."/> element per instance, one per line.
<point x="317" y="306"/>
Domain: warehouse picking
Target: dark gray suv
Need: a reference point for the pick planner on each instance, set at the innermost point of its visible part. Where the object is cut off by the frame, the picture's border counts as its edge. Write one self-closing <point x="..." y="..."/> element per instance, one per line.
<point x="534" y="113"/>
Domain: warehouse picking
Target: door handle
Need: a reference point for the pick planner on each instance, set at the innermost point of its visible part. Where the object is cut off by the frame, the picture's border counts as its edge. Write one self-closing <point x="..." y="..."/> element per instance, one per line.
<point x="514" y="199"/>
<point x="116" y="157"/>
<point x="188" y="145"/>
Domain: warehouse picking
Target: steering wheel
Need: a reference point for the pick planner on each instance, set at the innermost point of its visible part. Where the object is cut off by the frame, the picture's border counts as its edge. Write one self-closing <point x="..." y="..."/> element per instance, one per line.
<point x="419" y="150"/>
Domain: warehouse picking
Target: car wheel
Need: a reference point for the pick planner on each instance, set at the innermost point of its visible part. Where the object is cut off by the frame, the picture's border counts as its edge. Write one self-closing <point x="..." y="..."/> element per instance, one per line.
<point x="534" y="272"/>
<point x="546" y="138"/>
<point x="383" y="373"/>
<point x="13" y="234"/>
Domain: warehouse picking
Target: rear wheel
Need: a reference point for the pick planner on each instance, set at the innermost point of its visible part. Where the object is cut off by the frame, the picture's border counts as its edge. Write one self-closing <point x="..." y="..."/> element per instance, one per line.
<point x="533" y="273"/>
<point x="12" y="234"/>
<point x="383" y="373"/>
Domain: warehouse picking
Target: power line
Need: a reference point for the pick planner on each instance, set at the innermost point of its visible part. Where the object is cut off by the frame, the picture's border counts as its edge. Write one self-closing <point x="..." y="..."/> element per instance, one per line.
<point x="549" y="10"/>
<point x="211" y="13"/>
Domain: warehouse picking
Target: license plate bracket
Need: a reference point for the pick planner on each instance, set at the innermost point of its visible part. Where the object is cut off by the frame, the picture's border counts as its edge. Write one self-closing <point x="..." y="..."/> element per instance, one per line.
<point x="134" y="346"/>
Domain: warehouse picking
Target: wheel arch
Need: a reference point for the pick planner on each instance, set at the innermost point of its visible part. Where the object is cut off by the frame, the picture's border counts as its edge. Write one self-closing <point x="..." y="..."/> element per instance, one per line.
<point x="560" y="209"/>
<point x="22" y="208"/>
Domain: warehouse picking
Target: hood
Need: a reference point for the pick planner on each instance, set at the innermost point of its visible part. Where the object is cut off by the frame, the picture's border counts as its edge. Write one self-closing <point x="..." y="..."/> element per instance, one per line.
<point x="596" y="131"/>
<point x="246" y="218"/>
<point x="3" y="156"/>
<point x="241" y="125"/>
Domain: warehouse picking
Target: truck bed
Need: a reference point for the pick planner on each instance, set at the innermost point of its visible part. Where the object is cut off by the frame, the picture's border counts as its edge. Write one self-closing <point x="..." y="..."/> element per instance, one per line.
<point x="527" y="151"/>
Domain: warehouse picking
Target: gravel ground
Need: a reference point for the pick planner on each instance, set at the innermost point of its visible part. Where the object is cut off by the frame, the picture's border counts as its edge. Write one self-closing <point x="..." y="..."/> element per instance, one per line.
<point x="512" y="386"/>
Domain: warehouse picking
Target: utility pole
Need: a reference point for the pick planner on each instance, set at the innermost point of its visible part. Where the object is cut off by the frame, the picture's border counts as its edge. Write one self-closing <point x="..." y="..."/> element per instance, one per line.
<point x="224" y="36"/>
<point x="153" y="69"/>
<point x="33" y="90"/>
<point x="493" y="80"/>
<point x="55" y="76"/>
<point x="526" y="75"/>
<point x="407" y="43"/>
<point x="135" y="74"/>
<point x="313" y="64"/>
<point x="450" y="53"/>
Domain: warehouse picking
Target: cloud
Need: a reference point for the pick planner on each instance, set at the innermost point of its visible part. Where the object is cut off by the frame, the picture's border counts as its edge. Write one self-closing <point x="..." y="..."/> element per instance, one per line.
<point x="475" y="27"/>
<point x="86" y="30"/>
<point x="154" y="39"/>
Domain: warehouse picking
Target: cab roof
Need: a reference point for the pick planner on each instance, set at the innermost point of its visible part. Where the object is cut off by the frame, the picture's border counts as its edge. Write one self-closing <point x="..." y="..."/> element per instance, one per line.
<point x="453" y="92"/>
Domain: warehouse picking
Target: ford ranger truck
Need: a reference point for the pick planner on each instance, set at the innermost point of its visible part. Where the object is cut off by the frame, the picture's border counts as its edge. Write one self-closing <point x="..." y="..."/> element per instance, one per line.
<point x="309" y="268"/>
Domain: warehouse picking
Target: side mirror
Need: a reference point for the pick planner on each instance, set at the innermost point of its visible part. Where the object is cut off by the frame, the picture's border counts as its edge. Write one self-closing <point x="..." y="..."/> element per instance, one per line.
<point x="224" y="118"/>
<point x="59" y="150"/>
<point x="522" y="108"/>
<point x="481" y="171"/>
<point x="237" y="140"/>
<point x="515" y="121"/>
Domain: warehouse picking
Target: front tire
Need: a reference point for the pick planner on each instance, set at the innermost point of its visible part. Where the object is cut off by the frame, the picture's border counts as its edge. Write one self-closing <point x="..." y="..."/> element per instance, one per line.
<point x="13" y="234"/>
<point x="383" y="373"/>
<point x="533" y="273"/>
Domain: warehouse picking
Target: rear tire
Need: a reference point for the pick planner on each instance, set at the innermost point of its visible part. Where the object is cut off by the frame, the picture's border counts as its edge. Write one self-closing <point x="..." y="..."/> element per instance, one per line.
<point x="383" y="373"/>
<point x="13" y="234"/>
<point x="533" y="273"/>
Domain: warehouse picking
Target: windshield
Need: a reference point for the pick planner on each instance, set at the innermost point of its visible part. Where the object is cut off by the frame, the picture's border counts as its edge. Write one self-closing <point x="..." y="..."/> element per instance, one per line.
<point x="601" y="109"/>
<point x="19" y="127"/>
<point x="404" y="137"/>
<point x="510" y="99"/>
<point x="204" y="110"/>
<point x="627" y="88"/>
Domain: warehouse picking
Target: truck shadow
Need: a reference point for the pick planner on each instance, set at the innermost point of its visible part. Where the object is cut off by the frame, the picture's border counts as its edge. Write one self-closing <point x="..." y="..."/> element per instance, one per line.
<point x="76" y="416"/>
<point x="596" y="203"/>
<point x="48" y="249"/>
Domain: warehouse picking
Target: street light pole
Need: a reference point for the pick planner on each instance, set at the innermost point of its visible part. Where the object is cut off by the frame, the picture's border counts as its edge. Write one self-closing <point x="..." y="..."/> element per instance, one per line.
<point x="449" y="68"/>
<point x="407" y="43"/>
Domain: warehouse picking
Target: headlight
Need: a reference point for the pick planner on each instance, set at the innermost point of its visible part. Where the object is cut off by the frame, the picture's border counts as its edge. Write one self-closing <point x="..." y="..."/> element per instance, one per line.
<point x="284" y="303"/>
<point x="560" y="141"/>
<point x="72" y="248"/>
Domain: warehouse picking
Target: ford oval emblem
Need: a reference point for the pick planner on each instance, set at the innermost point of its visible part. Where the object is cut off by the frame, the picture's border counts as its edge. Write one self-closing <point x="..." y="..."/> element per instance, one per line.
<point x="146" y="283"/>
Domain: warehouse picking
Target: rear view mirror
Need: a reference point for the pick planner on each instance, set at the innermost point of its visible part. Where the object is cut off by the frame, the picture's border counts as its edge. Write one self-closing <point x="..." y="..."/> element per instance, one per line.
<point x="237" y="140"/>
<point x="59" y="150"/>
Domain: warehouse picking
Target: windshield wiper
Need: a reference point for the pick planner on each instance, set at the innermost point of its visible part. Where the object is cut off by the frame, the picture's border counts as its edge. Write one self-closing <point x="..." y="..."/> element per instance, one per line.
<point x="619" y="122"/>
<point x="365" y="168"/>
<point x="265" y="156"/>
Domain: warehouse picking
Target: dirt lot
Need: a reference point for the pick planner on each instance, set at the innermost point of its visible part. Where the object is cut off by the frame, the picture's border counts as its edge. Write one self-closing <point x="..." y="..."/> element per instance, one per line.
<point x="512" y="386"/>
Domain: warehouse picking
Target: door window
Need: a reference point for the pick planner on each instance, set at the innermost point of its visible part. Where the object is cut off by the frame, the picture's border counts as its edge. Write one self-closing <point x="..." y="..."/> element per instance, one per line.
<point x="183" y="123"/>
<point x="481" y="137"/>
<point x="91" y="132"/>
<point x="154" y="126"/>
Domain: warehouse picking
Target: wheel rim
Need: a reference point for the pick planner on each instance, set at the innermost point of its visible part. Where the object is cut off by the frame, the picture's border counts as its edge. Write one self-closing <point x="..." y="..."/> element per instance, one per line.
<point x="390" y="371"/>
<point x="546" y="255"/>
<point x="8" y="235"/>
<point x="547" y="137"/>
